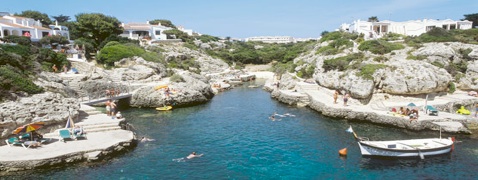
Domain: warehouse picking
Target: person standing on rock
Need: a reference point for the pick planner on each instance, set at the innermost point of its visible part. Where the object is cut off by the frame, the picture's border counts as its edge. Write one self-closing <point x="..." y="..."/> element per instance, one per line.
<point x="113" y="109"/>
<point x="346" y="98"/>
<point x="336" y="96"/>
<point x="108" y="107"/>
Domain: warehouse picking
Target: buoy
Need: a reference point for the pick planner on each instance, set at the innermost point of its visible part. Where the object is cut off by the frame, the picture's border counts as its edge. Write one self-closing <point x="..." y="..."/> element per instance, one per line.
<point x="343" y="152"/>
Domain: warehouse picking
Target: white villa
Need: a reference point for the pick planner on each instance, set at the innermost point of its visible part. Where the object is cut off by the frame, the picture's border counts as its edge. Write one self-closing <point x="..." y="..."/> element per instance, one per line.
<point x="21" y="26"/>
<point x="410" y="28"/>
<point x="272" y="39"/>
<point x="140" y="31"/>
<point x="190" y="32"/>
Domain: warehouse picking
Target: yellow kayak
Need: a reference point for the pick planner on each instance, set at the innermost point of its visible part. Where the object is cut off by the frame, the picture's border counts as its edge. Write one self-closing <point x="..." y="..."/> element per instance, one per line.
<point x="164" y="108"/>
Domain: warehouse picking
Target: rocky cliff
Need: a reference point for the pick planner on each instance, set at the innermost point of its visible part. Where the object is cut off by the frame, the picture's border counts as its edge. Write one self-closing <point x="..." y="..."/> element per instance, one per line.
<point x="409" y="71"/>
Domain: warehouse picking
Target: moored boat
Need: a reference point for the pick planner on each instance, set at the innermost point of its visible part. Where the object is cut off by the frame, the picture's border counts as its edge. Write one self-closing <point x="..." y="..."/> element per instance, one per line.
<point x="404" y="148"/>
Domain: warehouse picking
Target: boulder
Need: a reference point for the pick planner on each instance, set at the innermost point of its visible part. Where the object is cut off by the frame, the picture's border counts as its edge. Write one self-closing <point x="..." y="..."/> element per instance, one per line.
<point x="412" y="77"/>
<point x="195" y="90"/>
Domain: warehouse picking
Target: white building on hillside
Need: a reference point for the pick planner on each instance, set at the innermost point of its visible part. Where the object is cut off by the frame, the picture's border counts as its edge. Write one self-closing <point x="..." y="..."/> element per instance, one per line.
<point x="190" y="32"/>
<point x="144" y="31"/>
<point x="272" y="39"/>
<point x="409" y="28"/>
<point x="21" y="26"/>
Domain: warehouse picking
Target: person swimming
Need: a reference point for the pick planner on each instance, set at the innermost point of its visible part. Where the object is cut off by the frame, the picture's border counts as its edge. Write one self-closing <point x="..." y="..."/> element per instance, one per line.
<point x="144" y="139"/>
<point x="193" y="155"/>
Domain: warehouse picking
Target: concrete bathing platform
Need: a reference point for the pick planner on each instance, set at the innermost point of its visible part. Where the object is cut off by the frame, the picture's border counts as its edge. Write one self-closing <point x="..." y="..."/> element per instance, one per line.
<point x="104" y="136"/>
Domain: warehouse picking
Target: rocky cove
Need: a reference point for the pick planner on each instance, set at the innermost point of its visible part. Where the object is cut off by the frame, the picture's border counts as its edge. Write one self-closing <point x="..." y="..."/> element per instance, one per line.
<point x="402" y="78"/>
<point x="401" y="82"/>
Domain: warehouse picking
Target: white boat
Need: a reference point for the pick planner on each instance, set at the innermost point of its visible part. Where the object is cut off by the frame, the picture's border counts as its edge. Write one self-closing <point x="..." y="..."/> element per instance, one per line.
<point x="406" y="148"/>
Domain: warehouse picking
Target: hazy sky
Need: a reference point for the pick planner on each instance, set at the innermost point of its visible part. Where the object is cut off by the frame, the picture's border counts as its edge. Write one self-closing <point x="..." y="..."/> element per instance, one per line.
<point x="246" y="18"/>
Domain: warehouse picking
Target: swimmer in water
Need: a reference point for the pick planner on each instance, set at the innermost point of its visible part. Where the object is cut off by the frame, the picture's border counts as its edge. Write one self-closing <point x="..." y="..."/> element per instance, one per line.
<point x="144" y="139"/>
<point x="193" y="155"/>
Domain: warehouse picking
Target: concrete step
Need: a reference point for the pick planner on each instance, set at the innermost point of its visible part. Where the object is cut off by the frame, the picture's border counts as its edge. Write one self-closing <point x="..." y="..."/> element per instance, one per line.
<point x="102" y="129"/>
<point x="91" y="125"/>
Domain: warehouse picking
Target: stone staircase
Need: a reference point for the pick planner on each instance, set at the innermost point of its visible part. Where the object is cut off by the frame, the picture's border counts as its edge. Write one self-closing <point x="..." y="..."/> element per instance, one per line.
<point x="93" y="121"/>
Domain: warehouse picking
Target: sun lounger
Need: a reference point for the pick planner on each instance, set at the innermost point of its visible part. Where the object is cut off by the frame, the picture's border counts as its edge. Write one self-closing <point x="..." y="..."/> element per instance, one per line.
<point x="65" y="134"/>
<point x="14" y="141"/>
<point x="430" y="110"/>
<point x="80" y="135"/>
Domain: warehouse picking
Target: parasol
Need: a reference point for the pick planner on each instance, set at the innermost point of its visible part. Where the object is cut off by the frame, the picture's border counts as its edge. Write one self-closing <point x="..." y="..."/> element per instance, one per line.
<point x="29" y="127"/>
<point x="69" y="124"/>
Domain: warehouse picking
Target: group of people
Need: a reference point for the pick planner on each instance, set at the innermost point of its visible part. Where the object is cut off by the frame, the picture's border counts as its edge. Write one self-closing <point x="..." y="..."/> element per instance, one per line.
<point x="345" y="97"/>
<point x="411" y="113"/>
<point x="55" y="69"/>
<point x="112" y="92"/>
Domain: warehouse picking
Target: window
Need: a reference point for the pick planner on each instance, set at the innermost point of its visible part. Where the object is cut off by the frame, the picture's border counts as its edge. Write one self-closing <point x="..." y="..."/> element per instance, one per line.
<point x="157" y="33"/>
<point x="430" y="28"/>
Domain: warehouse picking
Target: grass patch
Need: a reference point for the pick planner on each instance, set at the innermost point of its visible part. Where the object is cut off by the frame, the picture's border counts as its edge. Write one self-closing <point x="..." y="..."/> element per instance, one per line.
<point x="367" y="70"/>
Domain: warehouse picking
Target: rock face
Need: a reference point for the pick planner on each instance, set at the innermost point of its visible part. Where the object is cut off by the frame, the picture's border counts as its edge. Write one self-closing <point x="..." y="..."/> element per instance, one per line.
<point x="413" y="77"/>
<point x="138" y="70"/>
<point x="195" y="90"/>
<point x="51" y="108"/>
<point x="400" y="76"/>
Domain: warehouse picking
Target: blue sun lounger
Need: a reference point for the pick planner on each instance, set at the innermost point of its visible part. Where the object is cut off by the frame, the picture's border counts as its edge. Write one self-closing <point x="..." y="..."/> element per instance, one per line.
<point x="14" y="141"/>
<point x="430" y="110"/>
<point x="65" y="134"/>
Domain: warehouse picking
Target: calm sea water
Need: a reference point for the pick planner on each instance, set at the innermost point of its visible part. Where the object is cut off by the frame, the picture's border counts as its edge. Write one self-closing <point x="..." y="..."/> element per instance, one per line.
<point x="240" y="142"/>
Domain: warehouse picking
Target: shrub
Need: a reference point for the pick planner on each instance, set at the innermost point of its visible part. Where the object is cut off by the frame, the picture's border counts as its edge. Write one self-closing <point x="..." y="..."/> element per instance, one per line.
<point x="341" y="63"/>
<point x="367" y="70"/>
<point x="392" y="37"/>
<point x="438" y="64"/>
<point x="12" y="81"/>
<point x="110" y="54"/>
<point x="176" y="78"/>
<point x="379" y="46"/>
<point x="451" y="87"/>
<point x="327" y="50"/>
<point x="22" y="40"/>
<point x="380" y="59"/>
<point x="465" y="53"/>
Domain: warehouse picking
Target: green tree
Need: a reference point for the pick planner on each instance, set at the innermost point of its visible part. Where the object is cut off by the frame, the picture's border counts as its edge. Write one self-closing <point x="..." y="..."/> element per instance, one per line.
<point x="163" y="22"/>
<point x="56" y="39"/>
<point x="36" y="15"/>
<point x="373" y="19"/>
<point x="61" y="18"/>
<point x="97" y="27"/>
<point x="473" y="18"/>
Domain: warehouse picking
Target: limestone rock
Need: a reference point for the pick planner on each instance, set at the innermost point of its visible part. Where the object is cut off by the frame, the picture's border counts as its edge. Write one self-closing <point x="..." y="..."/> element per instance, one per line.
<point x="195" y="90"/>
<point x="51" y="108"/>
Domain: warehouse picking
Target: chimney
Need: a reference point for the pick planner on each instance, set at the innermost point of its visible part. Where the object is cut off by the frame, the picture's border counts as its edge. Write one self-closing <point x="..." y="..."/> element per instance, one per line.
<point x="147" y="22"/>
<point x="56" y="22"/>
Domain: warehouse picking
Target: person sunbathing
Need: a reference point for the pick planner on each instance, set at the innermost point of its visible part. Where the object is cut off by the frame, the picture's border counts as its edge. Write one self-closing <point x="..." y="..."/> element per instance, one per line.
<point x="78" y="130"/>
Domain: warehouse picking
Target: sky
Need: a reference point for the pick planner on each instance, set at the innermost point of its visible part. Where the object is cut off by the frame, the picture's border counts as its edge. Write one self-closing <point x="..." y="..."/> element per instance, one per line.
<point x="248" y="18"/>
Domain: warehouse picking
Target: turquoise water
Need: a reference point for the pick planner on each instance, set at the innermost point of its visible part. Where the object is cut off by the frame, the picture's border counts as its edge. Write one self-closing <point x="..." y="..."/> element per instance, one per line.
<point x="240" y="142"/>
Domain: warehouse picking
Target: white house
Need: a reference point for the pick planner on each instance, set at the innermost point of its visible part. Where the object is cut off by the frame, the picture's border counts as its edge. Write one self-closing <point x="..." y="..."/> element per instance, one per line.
<point x="21" y="26"/>
<point x="409" y="28"/>
<point x="190" y="32"/>
<point x="272" y="39"/>
<point x="60" y="30"/>
<point x="140" y="31"/>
